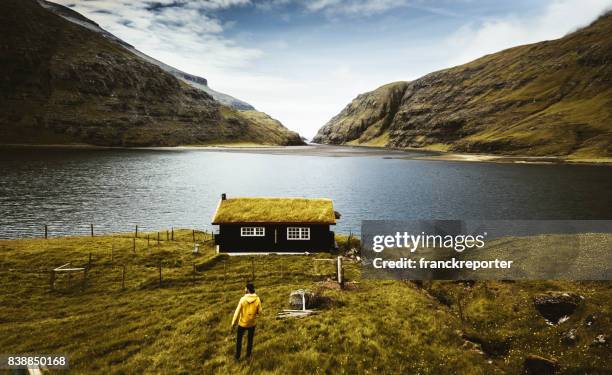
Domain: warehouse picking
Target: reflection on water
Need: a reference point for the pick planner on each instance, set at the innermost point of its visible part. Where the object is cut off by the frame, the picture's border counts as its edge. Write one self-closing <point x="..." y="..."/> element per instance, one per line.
<point x="117" y="189"/>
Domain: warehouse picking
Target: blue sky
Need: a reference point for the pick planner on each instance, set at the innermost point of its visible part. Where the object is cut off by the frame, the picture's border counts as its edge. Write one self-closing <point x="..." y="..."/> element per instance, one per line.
<point x="302" y="61"/>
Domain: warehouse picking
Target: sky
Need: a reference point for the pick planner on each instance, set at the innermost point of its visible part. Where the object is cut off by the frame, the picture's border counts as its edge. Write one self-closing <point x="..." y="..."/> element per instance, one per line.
<point x="302" y="61"/>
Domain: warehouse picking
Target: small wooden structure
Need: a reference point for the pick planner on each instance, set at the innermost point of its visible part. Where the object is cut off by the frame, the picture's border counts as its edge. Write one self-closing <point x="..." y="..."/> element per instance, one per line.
<point x="70" y="271"/>
<point x="297" y="313"/>
<point x="339" y="270"/>
<point x="282" y="225"/>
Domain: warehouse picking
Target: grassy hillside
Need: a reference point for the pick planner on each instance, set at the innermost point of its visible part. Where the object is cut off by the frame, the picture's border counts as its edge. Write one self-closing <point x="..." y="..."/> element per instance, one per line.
<point x="183" y="325"/>
<point x="549" y="98"/>
<point x="63" y="83"/>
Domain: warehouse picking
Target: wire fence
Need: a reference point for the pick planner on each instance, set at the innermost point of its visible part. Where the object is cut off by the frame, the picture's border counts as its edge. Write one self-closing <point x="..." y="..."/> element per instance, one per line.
<point x="141" y="259"/>
<point x="93" y="230"/>
<point x="122" y="277"/>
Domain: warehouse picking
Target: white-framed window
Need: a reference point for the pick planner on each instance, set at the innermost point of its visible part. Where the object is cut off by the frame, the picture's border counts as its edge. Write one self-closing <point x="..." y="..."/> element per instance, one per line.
<point x="298" y="233"/>
<point x="252" y="231"/>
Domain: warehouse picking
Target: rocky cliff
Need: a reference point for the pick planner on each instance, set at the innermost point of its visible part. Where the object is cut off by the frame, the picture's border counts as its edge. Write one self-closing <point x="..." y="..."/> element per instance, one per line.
<point x="548" y="98"/>
<point x="192" y="80"/>
<point x="63" y="82"/>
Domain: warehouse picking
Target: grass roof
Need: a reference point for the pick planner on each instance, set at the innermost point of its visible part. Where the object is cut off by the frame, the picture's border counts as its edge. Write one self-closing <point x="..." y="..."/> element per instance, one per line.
<point x="275" y="210"/>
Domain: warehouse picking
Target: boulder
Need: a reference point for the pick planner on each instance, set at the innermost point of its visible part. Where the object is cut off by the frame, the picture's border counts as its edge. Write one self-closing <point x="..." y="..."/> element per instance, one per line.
<point x="555" y="305"/>
<point x="534" y="364"/>
<point x="590" y="320"/>
<point x="571" y="336"/>
<point x="296" y="301"/>
<point x="353" y="254"/>
<point x="472" y="346"/>
<point x="600" y="340"/>
<point x="489" y="345"/>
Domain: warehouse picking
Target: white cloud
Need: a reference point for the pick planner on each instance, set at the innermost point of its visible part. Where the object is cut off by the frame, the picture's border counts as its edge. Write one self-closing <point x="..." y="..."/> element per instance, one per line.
<point x="338" y="7"/>
<point x="557" y="19"/>
<point x="353" y="7"/>
<point x="305" y="85"/>
<point x="183" y="34"/>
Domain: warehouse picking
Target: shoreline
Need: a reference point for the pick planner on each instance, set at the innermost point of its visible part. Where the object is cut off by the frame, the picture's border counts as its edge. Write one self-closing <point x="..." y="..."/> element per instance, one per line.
<point x="312" y="149"/>
<point x="491" y="158"/>
<point x="439" y="155"/>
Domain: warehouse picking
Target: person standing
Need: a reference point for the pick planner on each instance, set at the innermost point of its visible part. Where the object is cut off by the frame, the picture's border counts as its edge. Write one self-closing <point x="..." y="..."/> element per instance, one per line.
<point x="244" y="316"/>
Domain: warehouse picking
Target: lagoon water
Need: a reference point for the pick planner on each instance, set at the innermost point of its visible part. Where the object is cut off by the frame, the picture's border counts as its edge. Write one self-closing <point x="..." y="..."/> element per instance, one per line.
<point x="68" y="189"/>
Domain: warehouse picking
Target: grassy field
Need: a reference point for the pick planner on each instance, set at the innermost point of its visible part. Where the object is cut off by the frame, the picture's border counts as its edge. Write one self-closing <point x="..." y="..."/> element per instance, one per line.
<point x="182" y="325"/>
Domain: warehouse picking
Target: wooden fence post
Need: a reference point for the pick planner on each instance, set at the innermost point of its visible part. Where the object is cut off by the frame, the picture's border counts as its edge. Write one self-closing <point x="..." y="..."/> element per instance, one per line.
<point x="340" y="270"/>
<point x="91" y="227"/>
<point x="45" y="231"/>
<point x="136" y="232"/>
<point x="167" y="235"/>
<point x="172" y="233"/>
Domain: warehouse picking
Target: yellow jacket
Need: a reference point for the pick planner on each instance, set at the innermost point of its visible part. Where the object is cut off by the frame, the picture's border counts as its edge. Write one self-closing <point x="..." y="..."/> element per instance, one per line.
<point x="247" y="310"/>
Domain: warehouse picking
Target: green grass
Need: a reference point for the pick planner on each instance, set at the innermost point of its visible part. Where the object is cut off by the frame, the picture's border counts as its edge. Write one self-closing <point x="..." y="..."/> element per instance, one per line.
<point x="275" y="210"/>
<point x="182" y="326"/>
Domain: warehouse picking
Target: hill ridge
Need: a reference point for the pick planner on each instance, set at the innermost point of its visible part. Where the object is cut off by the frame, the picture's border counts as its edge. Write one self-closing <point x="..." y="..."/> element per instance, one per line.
<point x="64" y="83"/>
<point x="541" y="99"/>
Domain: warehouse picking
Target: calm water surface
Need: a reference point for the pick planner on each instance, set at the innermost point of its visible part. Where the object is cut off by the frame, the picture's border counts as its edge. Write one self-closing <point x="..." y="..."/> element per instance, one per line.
<point x="157" y="189"/>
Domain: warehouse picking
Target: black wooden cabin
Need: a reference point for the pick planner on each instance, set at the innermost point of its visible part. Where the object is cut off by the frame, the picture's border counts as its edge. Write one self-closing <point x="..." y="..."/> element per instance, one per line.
<point x="276" y="225"/>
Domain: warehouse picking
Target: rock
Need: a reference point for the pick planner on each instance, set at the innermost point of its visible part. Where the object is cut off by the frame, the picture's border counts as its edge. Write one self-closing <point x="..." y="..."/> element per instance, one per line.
<point x="554" y="306"/>
<point x="296" y="301"/>
<point x="418" y="283"/>
<point x="467" y="283"/>
<point x="329" y="284"/>
<point x="590" y="320"/>
<point x="314" y="300"/>
<point x="536" y="365"/>
<point x="600" y="340"/>
<point x="571" y="336"/>
<point x="469" y="345"/>
<point x="563" y="319"/>
<point x="490" y="346"/>
<point x="353" y="254"/>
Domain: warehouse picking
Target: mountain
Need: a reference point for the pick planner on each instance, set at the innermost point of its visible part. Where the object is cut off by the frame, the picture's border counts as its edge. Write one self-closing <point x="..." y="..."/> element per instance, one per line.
<point x="195" y="81"/>
<point x="547" y="98"/>
<point x="65" y="80"/>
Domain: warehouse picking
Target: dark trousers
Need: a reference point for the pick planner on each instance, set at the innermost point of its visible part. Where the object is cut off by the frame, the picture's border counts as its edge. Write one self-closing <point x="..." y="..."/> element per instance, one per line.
<point x="250" y="333"/>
